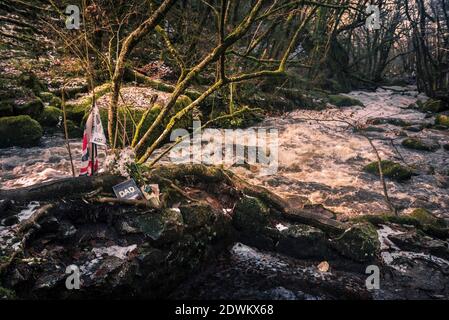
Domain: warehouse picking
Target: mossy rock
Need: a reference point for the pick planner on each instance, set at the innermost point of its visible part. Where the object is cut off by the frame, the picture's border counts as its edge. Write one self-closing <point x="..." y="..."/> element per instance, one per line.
<point x="302" y="241"/>
<point x="378" y="220"/>
<point x="360" y="242"/>
<point x="73" y="130"/>
<point x="19" y="131"/>
<point x="31" y="106"/>
<point x="197" y="215"/>
<point x="442" y="120"/>
<point x="390" y="169"/>
<point x="50" y="117"/>
<point x="426" y="218"/>
<point x="437" y="229"/>
<point x="417" y="144"/>
<point x="434" y="106"/>
<point x="251" y="214"/>
<point x="51" y="99"/>
<point x="164" y="227"/>
<point x="6" y="108"/>
<point x="393" y="121"/>
<point x="343" y="101"/>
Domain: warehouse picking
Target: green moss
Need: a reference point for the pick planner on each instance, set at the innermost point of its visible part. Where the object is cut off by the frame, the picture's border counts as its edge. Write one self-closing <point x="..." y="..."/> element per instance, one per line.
<point x="360" y="242"/>
<point x="390" y="169"/>
<point x="50" y="117"/>
<point x="387" y="218"/>
<point x="419" y="219"/>
<point x="51" y="99"/>
<point x="343" y="101"/>
<point x="417" y="144"/>
<point x="442" y="120"/>
<point x="19" y="131"/>
<point x="426" y="218"/>
<point x="433" y="105"/>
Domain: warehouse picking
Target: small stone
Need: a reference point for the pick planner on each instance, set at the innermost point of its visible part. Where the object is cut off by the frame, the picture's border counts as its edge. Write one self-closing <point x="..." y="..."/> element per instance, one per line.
<point x="323" y="266"/>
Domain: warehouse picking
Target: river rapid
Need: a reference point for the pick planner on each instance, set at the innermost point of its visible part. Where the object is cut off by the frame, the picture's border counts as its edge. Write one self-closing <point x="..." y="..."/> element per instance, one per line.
<point x="321" y="158"/>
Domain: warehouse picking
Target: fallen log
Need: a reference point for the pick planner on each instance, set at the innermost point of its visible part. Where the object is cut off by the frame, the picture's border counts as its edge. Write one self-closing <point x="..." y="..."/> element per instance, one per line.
<point x="68" y="187"/>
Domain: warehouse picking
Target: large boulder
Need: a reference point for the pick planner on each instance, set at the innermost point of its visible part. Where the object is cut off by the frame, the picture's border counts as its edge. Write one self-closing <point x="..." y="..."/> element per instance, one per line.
<point x="19" y="131"/>
<point x="50" y="117"/>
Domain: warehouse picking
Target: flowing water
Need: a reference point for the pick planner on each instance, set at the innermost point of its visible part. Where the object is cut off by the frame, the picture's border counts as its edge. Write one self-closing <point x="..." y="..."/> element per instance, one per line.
<point x="321" y="157"/>
<point x="323" y="160"/>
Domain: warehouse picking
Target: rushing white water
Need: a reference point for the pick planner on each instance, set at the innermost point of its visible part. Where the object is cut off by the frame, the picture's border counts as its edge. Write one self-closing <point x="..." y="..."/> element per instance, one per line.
<point x="21" y="167"/>
<point x="323" y="160"/>
<point x="319" y="160"/>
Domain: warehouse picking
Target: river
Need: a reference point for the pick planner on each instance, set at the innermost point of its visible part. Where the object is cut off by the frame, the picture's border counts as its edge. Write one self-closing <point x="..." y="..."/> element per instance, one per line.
<point x="319" y="161"/>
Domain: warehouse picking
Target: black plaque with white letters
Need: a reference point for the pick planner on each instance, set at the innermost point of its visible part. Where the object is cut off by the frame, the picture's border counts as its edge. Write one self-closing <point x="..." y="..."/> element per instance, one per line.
<point x="127" y="190"/>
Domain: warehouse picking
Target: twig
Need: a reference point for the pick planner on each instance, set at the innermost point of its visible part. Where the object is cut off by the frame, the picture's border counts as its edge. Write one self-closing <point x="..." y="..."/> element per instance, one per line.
<point x="66" y="132"/>
<point x="132" y="202"/>
<point x="39" y="213"/>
